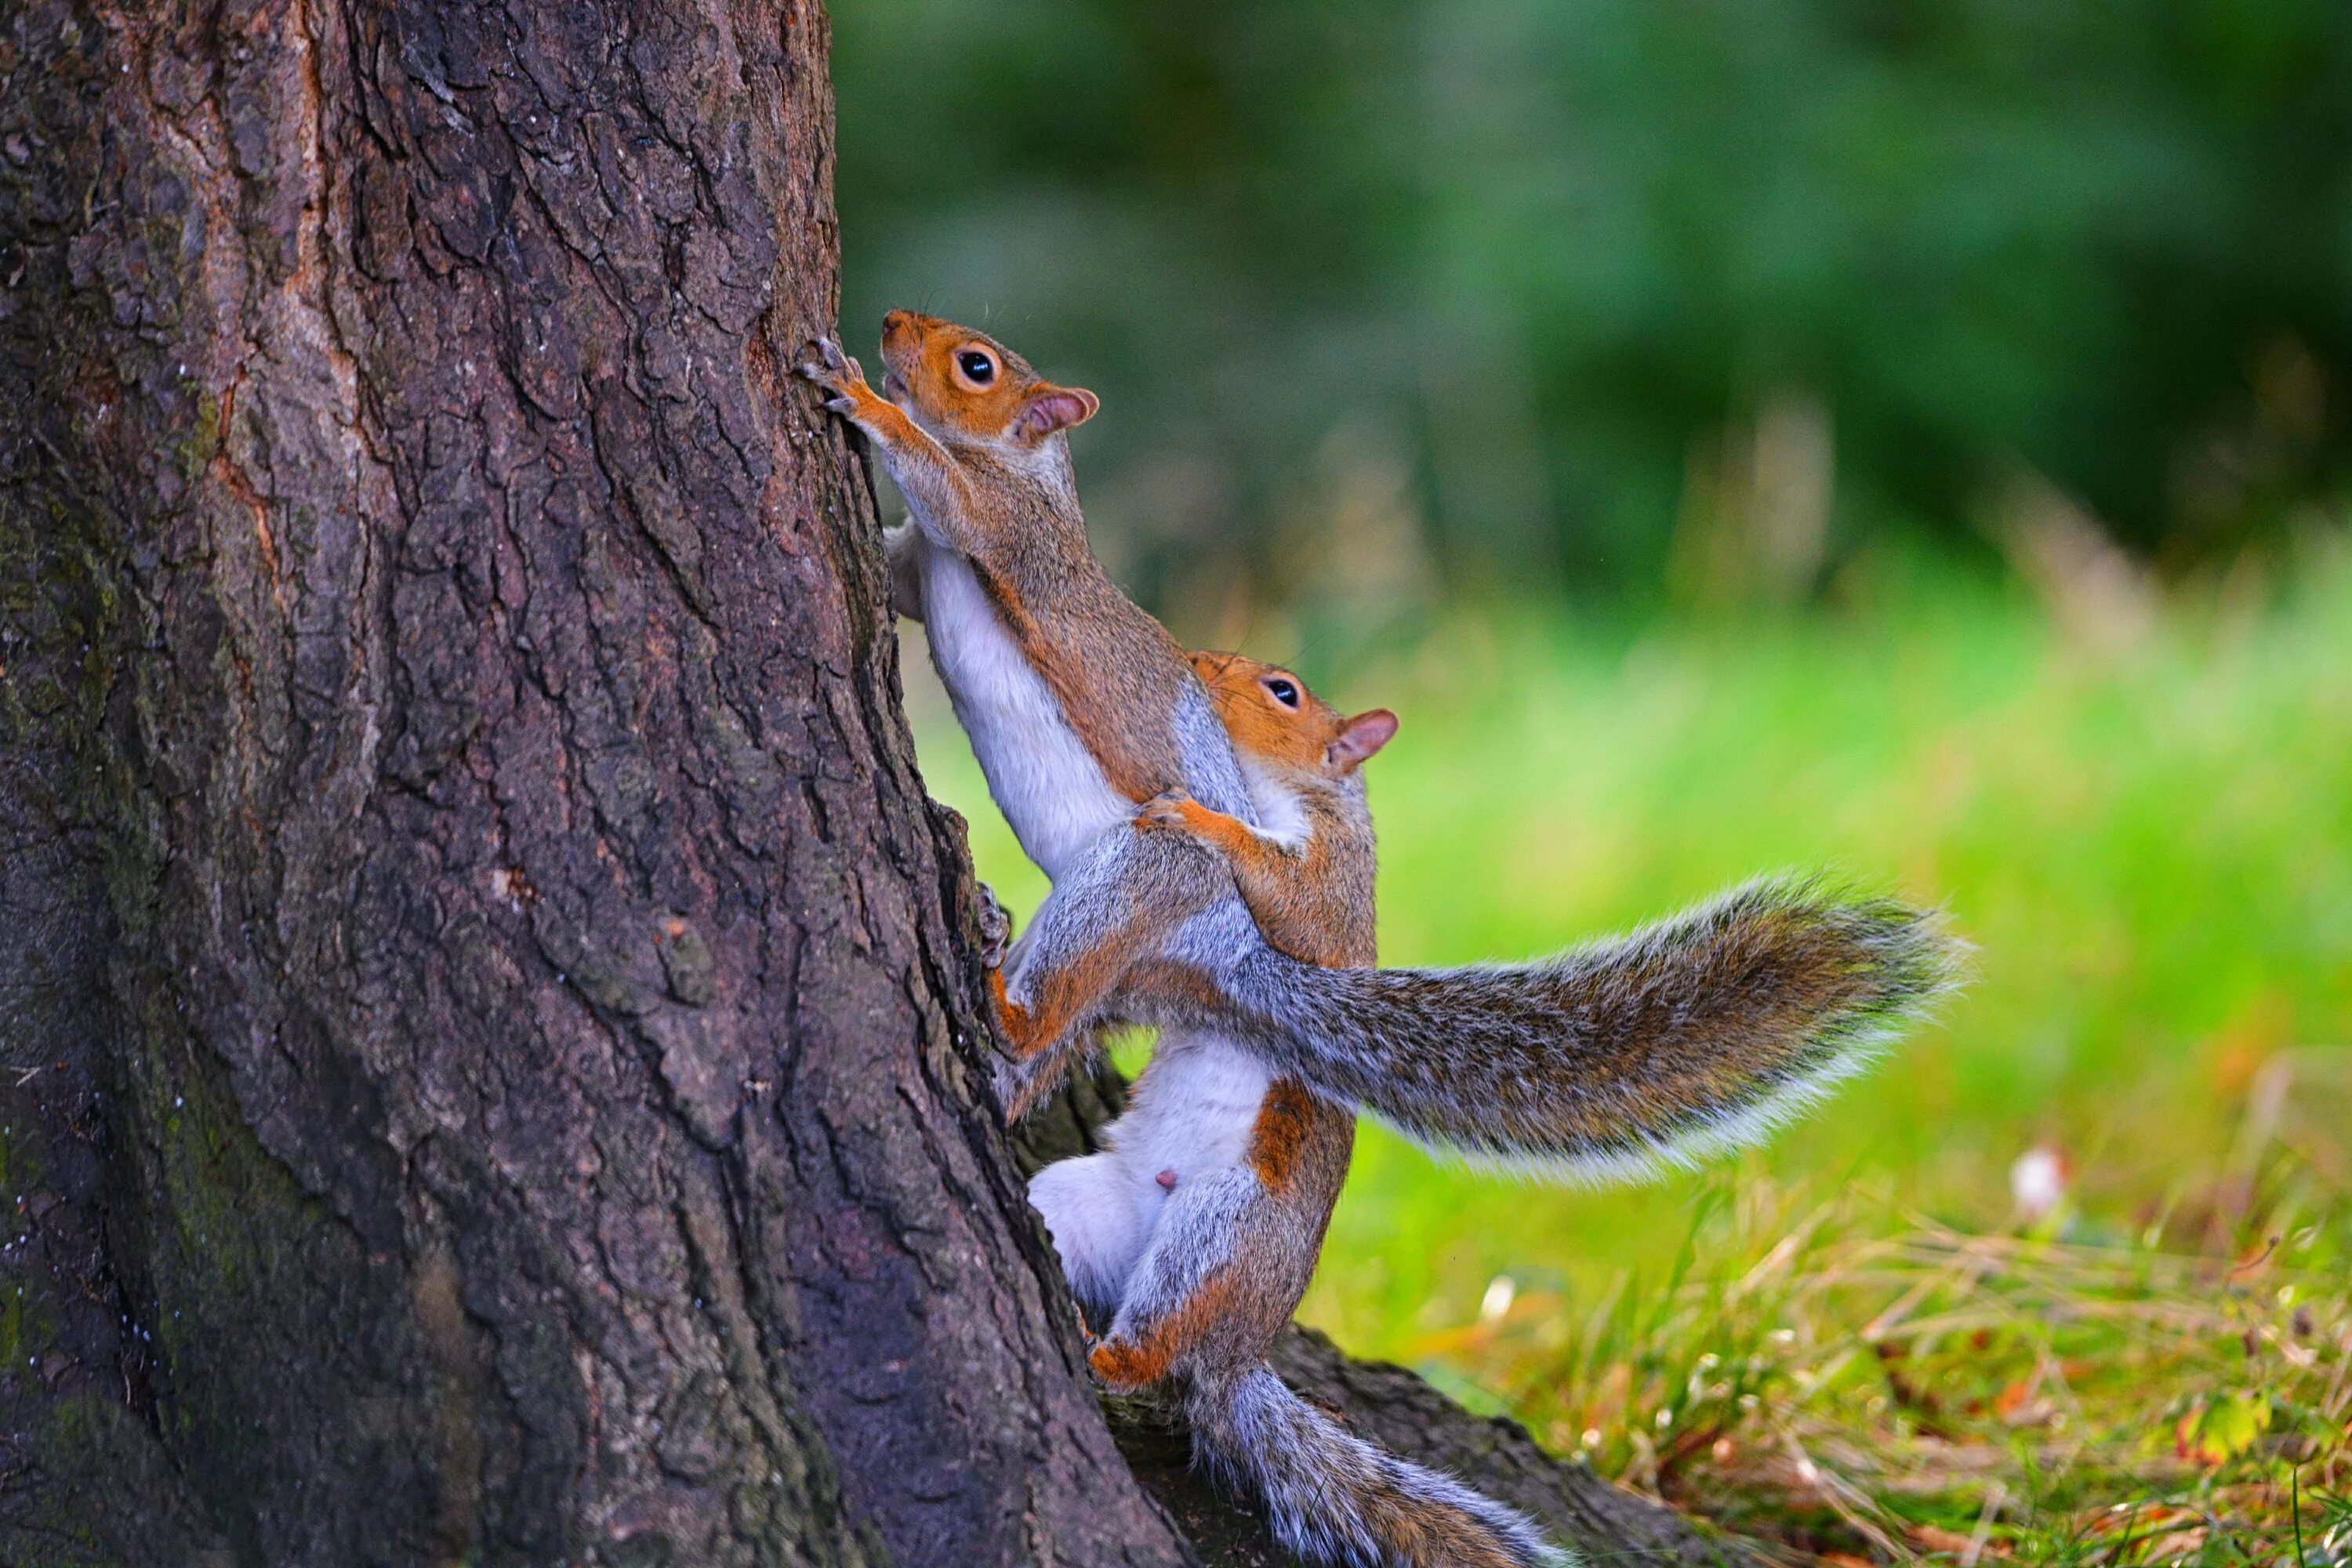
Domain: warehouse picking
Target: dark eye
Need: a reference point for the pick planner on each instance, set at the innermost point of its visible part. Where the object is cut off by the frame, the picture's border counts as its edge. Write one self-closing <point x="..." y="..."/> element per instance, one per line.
<point x="1284" y="692"/>
<point x="977" y="367"/>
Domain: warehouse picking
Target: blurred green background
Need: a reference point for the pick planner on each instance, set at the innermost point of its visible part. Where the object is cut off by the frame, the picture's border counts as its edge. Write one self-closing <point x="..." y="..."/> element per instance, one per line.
<point x="1736" y="435"/>
<point x="1531" y="293"/>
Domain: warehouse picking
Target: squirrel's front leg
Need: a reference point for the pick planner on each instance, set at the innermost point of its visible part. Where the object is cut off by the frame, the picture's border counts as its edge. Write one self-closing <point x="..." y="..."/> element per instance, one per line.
<point x="1176" y="811"/>
<point x="919" y="464"/>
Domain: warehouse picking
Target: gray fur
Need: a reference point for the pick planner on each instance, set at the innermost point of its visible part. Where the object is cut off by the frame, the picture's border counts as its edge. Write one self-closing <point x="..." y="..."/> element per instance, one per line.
<point x="1608" y="1060"/>
<point x="1125" y="883"/>
<point x="1195" y="1236"/>
<point x="1323" y="1487"/>
<point x="1213" y="774"/>
<point x="1619" y="1056"/>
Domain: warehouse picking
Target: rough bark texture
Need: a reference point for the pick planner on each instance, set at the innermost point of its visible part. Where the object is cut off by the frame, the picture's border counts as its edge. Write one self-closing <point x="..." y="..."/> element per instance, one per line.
<point x="486" y="1040"/>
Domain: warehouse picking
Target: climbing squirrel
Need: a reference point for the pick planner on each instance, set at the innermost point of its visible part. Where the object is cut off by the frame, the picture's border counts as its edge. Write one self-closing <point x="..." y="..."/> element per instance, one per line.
<point x="1194" y="1234"/>
<point x="1086" y="719"/>
<point x="1692" y="1035"/>
<point x="1079" y="705"/>
<point x="1082" y="711"/>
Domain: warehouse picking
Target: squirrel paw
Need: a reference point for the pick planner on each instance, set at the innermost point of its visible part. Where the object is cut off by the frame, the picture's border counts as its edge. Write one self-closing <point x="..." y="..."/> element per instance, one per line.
<point x="995" y="928"/>
<point x="1165" y="809"/>
<point x="837" y="372"/>
<point x="1123" y="1366"/>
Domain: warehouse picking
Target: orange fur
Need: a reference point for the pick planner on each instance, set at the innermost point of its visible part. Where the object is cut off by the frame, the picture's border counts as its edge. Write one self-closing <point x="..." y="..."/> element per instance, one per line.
<point x="1125" y="1366"/>
<point x="1285" y="1121"/>
<point x="923" y="354"/>
<point x="1313" y="899"/>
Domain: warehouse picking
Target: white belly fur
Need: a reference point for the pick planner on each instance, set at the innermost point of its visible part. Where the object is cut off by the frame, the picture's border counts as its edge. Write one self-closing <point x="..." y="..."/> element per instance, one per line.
<point x="1191" y="1117"/>
<point x="1045" y="781"/>
<point x="1193" y="1110"/>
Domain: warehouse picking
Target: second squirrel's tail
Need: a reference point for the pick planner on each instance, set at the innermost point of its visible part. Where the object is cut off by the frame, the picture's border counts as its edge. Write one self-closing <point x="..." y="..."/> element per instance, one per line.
<point x="1699" y="1033"/>
<point x="1334" y="1497"/>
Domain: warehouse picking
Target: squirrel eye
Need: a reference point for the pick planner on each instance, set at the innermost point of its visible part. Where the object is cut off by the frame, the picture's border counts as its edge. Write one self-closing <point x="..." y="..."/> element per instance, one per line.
<point x="1285" y="692"/>
<point x="977" y="367"/>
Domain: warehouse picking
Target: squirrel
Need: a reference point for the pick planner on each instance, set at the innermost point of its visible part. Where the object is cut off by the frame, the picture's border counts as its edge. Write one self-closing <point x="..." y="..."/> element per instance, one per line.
<point x="1692" y="1035"/>
<point x="1096" y="732"/>
<point x="1083" y="711"/>
<point x="1079" y="705"/>
<point x="1697" y="1032"/>
<point x="1194" y="1233"/>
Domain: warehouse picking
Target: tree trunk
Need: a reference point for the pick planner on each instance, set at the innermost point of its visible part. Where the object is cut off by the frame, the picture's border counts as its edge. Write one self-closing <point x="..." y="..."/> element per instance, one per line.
<point x="487" y="1008"/>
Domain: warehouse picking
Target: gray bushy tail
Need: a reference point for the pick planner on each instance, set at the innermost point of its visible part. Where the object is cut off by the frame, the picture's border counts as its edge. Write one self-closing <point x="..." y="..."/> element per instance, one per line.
<point x="1697" y="1032"/>
<point x="1334" y="1497"/>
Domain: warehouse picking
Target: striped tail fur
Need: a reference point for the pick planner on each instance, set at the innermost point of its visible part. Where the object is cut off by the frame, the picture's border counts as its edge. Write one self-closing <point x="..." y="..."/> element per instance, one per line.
<point x="1334" y="1497"/>
<point x="1699" y="1033"/>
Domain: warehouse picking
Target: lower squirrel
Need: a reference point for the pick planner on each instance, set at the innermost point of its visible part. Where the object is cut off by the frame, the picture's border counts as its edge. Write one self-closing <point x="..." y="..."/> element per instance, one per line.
<point x="1194" y="1233"/>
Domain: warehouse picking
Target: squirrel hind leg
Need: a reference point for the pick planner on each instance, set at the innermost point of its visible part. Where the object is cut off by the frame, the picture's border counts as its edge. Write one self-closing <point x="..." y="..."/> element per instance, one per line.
<point x="1194" y="1292"/>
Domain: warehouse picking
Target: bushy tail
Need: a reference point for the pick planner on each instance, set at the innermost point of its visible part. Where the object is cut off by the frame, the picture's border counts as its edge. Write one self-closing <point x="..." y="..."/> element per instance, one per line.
<point x="1699" y="1033"/>
<point x="1334" y="1497"/>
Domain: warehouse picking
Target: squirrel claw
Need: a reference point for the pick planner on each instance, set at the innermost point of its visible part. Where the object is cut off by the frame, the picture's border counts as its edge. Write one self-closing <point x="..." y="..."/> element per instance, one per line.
<point x="995" y="928"/>
<point x="1116" y="1363"/>
<point x="1019" y="1088"/>
<point x="835" y="370"/>
<point x="1165" y="809"/>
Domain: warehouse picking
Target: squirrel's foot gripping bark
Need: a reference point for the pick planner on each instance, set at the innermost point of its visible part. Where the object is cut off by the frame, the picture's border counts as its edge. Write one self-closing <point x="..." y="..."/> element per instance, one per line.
<point x="1124" y="1366"/>
<point x="884" y="422"/>
<point x="839" y="374"/>
<point x="995" y="929"/>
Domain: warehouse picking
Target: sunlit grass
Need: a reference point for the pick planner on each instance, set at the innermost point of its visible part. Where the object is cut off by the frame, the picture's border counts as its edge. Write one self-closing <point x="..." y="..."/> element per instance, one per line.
<point x="2150" y="842"/>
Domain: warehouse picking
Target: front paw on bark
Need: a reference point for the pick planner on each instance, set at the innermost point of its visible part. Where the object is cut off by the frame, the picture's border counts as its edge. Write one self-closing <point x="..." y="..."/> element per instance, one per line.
<point x="837" y="372"/>
<point x="995" y="928"/>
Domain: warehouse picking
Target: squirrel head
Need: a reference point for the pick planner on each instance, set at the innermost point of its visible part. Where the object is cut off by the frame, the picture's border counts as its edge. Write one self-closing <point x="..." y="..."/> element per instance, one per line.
<point x="1272" y="718"/>
<point x="968" y="389"/>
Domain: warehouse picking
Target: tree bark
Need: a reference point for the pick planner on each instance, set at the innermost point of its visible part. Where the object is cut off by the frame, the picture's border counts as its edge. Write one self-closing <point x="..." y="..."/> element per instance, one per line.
<point x="493" y="1041"/>
<point x="487" y="1030"/>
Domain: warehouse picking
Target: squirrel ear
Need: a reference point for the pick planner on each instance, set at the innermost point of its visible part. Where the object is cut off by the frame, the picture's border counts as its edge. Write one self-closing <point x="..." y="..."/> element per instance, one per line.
<point x="1051" y="408"/>
<point x="1360" y="737"/>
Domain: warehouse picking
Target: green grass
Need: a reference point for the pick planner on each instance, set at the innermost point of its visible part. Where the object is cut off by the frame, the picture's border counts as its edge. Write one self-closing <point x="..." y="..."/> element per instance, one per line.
<point x="2150" y="841"/>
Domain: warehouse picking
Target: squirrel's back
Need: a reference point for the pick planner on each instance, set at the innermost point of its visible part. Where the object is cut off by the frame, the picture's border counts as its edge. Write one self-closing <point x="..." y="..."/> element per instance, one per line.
<point x="1118" y="679"/>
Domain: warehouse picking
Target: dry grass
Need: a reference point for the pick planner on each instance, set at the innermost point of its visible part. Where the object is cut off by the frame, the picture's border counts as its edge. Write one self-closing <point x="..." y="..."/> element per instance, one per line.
<point x="1836" y="1380"/>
